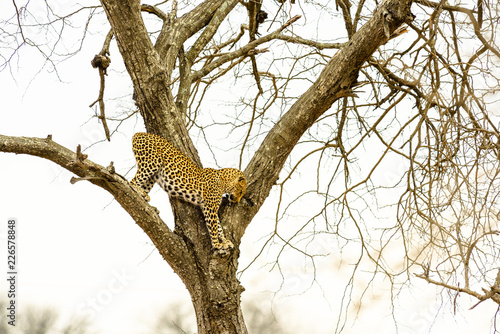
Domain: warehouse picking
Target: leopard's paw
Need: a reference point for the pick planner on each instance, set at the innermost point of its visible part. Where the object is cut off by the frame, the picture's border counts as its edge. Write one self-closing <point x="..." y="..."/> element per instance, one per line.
<point x="224" y="246"/>
<point x="141" y="192"/>
<point x="228" y="244"/>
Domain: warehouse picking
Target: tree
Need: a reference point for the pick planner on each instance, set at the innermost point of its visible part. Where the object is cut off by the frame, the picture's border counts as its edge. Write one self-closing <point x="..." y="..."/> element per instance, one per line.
<point x="425" y="101"/>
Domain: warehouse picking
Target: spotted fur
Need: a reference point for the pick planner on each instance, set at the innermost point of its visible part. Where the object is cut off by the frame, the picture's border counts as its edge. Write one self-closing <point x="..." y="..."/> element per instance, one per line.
<point x="159" y="161"/>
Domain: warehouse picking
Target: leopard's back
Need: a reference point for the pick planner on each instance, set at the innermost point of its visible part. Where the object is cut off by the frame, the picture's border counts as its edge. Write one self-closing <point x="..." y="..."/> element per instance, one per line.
<point x="166" y="165"/>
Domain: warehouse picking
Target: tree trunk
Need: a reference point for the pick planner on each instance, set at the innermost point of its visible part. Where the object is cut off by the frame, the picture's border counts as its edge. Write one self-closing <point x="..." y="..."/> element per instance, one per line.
<point x="211" y="279"/>
<point x="216" y="298"/>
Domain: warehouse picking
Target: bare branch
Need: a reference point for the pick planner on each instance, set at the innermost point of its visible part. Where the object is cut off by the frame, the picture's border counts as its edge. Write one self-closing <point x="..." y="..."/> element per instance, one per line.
<point x="334" y="82"/>
<point x="209" y="31"/>
<point x="101" y="62"/>
<point x="175" y="34"/>
<point x="308" y="42"/>
<point x="170" y="245"/>
<point x="470" y="13"/>
<point x="493" y="293"/>
<point x="154" y="10"/>
<point x="241" y="52"/>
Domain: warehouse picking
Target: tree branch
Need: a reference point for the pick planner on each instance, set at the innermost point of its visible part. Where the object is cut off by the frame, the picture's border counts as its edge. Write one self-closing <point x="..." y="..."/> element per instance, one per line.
<point x="222" y="59"/>
<point x="335" y="81"/>
<point x="173" y="36"/>
<point x="154" y="10"/>
<point x="209" y="31"/>
<point x="470" y="14"/>
<point x="186" y="59"/>
<point x="493" y="293"/>
<point x="170" y="245"/>
<point x="308" y="42"/>
<point x="101" y="61"/>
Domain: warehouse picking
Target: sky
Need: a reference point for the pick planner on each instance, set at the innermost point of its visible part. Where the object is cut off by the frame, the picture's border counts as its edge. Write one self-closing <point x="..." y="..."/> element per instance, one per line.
<point x="80" y="253"/>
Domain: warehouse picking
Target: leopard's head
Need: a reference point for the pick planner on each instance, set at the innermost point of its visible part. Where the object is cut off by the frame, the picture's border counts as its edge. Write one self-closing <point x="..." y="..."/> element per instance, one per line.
<point x="235" y="183"/>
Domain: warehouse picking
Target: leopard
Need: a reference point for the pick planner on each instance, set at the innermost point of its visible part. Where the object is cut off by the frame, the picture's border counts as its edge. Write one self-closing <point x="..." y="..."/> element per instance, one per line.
<point x="158" y="161"/>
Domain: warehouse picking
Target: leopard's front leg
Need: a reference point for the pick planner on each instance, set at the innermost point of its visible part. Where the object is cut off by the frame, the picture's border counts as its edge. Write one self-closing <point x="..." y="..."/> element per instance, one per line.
<point x="216" y="233"/>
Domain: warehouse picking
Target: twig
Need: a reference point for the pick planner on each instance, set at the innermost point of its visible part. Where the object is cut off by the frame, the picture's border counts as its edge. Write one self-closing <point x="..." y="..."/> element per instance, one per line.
<point x="242" y="52"/>
<point x="154" y="10"/>
<point x="491" y="294"/>
<point x="102" y="61"/>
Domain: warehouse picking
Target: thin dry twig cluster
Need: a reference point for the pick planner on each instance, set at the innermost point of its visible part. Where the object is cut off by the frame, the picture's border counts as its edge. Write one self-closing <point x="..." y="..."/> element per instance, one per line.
<point x="428" y="104"/>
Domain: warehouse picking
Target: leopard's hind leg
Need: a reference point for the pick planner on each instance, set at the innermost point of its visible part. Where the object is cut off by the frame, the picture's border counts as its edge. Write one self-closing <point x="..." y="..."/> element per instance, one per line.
<point x="143" y="183"/>
<point x="148" y="166"/>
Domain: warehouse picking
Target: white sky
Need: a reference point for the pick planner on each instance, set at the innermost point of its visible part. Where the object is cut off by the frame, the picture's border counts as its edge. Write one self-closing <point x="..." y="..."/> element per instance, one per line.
<point x="81" y="254"/>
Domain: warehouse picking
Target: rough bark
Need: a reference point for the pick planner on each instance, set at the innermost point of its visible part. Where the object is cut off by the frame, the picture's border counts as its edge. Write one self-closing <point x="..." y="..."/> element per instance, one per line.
<point x="209" y="277"/>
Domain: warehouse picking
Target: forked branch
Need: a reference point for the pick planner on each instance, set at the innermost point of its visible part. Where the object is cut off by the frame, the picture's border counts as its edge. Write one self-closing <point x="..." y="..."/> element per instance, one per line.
<point x="248" y="49"/>
<point x="493" y="293"/>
